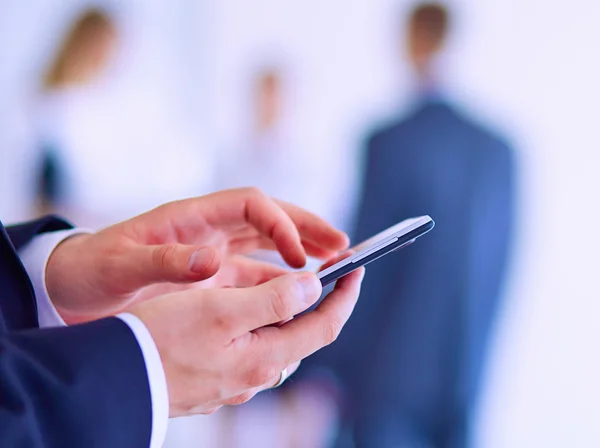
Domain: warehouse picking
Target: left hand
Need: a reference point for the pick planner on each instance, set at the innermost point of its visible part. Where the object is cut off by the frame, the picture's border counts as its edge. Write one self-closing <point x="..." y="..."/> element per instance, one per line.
<point x="177" y="245"/>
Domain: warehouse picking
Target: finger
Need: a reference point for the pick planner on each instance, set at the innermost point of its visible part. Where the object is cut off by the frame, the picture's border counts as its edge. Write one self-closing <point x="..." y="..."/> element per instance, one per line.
<point x="304" y="335"/>
<point x="271" y="221"/>
<point x="336" y="259"/>
<point x="316" y="251"/>
<point x="291" y="369"/>
<point x="245" y="272"/>
<point x="278" y="300"/>
<point x="319" y="238"/>
<point x="173" y="263"/>
<point x="315" y="229"/>
<point x="249" y="244"/>
<point x="252" y="206"/>
<point x="274" y="382"/>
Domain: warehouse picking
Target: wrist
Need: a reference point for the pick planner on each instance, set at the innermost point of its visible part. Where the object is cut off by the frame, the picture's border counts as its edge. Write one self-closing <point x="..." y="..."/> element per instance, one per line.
<point x="63" y="272"/>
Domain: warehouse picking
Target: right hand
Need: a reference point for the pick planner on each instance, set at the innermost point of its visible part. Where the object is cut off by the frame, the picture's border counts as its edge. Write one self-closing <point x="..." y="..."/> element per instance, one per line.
<point x="182" y="245"/>
<point x="221" y="347"/>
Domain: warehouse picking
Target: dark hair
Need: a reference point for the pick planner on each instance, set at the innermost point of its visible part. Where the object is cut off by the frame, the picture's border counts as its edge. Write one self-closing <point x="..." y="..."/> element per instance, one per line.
<point x="431" y="19"/>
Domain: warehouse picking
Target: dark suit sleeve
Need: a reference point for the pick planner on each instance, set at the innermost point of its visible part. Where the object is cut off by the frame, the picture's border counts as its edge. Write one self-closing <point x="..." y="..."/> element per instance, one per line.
<point x="80" y="386"/>
<point x="21" y="234"/>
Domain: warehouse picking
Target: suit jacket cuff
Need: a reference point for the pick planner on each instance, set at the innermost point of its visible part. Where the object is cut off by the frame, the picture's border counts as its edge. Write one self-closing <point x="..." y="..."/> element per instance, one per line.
<point x="156" y="378"/>
<point x="83" y="385"/>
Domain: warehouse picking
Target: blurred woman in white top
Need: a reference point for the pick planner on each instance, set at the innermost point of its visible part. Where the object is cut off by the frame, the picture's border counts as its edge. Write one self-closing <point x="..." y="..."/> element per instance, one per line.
<point x="99" y="137"/>
<point x="269" y="155"/>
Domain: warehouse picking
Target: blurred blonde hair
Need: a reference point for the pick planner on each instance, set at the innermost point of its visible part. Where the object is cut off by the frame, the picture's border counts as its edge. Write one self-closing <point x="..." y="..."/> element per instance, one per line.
<point x="91" y="24"/>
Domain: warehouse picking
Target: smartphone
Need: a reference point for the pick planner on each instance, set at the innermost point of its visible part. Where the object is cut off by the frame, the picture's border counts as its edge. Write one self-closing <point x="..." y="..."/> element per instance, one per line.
<point x="388" y="241"/>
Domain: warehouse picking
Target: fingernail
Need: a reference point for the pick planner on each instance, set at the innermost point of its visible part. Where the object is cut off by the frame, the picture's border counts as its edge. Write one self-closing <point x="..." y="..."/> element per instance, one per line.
<point x="200" y="260"/>
<point x="311" y="287"/>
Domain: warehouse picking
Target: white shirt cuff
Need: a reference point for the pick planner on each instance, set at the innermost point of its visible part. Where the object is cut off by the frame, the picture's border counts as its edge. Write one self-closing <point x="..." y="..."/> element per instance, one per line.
<point x="35" y="256"/>
<point x="156" y="378"/>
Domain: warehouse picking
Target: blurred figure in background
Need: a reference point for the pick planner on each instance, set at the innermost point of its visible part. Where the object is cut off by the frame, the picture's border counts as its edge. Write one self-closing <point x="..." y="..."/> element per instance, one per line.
<point x="101" y="139"/>
<point x="80" y="61"/>
<point x="270" y="156"/>
<point x="411" y="360"/>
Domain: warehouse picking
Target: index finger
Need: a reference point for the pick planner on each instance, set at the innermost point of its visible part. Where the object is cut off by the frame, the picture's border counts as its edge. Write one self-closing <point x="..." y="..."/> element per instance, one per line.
<point x="315" y="230"/>
<point x="253" y="207"/>
<point x="307" y="334"/>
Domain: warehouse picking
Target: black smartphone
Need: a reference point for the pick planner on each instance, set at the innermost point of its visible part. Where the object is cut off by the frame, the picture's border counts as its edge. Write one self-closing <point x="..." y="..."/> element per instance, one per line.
<point x="388" y="241"/>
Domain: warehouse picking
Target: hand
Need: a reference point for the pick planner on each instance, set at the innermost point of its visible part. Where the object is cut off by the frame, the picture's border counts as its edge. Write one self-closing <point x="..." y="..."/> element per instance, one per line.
<point x="221" y="347"/>
<point x="182" y="243"/>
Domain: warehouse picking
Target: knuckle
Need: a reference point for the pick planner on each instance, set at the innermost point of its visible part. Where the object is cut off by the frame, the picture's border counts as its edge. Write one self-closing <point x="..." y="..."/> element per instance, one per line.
<point x="279" y="301"/>
<point x="261" y="375"/>
<point x="240" y="399"/>
<point x="255" y="192"/>
<point x="162" y="256"/>
<point x="161" y="209"/>
<point x="332" y="329"/>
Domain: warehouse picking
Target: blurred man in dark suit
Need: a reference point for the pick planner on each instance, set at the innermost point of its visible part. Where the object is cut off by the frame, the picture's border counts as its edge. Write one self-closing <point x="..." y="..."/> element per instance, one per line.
<point x="423" y="323"/>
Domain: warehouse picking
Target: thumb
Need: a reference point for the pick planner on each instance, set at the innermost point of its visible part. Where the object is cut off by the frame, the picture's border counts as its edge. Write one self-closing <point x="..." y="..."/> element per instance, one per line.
<point x="275" y="301"/>
<point x="174" y="263"/>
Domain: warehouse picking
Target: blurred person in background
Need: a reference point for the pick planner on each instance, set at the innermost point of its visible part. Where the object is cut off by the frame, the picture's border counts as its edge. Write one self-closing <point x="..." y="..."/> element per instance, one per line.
<point x="80" y="61"/>
<point x="101" y="139"/>
<point x="411" y="361"/>
<point x="270" y="156"/>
